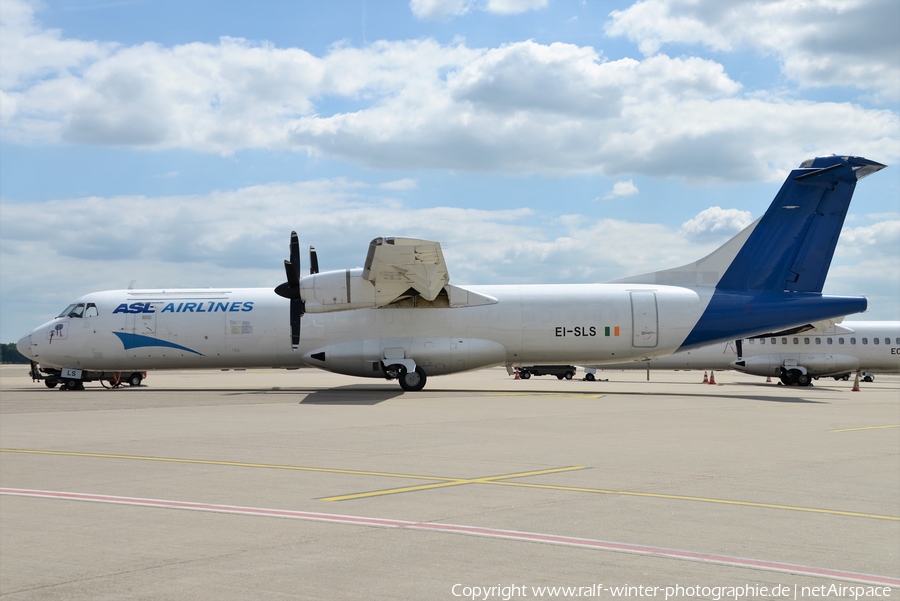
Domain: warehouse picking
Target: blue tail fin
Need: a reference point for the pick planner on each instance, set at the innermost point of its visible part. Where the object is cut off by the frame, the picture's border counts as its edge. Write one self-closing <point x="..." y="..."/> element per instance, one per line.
<point x="770" y="275"/>
<point x="792" y="245"/>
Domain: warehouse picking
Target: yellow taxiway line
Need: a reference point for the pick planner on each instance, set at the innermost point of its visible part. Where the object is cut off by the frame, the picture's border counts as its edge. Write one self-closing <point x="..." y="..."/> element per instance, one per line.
<point x="867" y="428"/>
<point x="442" y="482"/>
<point x="454" y="482"/>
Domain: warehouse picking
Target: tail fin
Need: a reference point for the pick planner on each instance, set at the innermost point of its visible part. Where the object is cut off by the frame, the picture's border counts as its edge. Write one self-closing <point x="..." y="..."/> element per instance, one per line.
<point x="790" y="247"/>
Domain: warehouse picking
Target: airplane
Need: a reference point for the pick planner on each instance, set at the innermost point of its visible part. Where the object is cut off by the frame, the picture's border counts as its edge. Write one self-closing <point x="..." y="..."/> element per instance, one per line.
<point x="398" y="317"/>
<point x="822" y="350"/>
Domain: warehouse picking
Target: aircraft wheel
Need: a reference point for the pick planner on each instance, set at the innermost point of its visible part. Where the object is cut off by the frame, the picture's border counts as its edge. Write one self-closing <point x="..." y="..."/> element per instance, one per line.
<point x="868" y="379"/>
<point x="570" y="375"/>
<point x="50" y="382"/>
<point x="803" y="379"/>
<point x="524" y="374"/>
<point x="786" y="378"/>
<point x="589" y="377"/>
<point x="134" y="380"/>
<point x="846" y="377"/>
<point x="413" y="381"/>
<point x="73" y="385"/>
<point x="559" y="377"/>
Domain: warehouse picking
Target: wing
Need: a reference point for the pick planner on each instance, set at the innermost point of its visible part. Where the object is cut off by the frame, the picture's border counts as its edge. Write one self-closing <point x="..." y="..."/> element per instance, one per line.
<point x="394" y="265"/>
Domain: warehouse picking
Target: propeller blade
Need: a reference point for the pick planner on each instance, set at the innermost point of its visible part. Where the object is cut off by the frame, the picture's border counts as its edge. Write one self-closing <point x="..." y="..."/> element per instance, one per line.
<point x="291" y="290"/>
<point x="740" y="348"/>
<point x="296" y="314"/>
<point x="295" y="256"/>
<point x="313" y="260"/>
<point x="291" y="274"/>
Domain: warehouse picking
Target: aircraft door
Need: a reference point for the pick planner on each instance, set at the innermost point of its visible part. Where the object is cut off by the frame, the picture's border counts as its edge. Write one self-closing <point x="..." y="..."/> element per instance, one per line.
<point x="140" y="324"/>
<point x="644" y="319"/>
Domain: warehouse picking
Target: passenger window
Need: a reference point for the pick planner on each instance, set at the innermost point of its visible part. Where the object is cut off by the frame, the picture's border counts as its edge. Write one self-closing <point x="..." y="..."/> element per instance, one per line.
<point x="806" y="341"/>
<point x="853" y="341"/>
<point x="865" y="341"/>
<point x="762" y="340"/>
<point x="751" y="341"/>
<point x="829" y="341"/>
<point x="874" y="341"/>
<point x="818" y="341"/>
<point x="784" y="341"/>
<point x="840" y="341"/>
<point x="774" y="340"/>
<point x="90" y="310"/>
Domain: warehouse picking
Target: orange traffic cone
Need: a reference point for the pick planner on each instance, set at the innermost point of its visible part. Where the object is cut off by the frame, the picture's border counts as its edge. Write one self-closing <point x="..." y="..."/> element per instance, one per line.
<point x="855" y="384"/>
<point x="517" y="374"/>
<point x="712" y="378"/>
<point x="768" y="379"/>
<point x="705" y="378"/>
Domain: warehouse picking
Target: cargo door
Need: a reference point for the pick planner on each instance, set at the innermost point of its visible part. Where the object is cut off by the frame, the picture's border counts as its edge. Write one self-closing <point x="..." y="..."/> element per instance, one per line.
<point x="142" y="326"/>
<point x="644" y="319"/>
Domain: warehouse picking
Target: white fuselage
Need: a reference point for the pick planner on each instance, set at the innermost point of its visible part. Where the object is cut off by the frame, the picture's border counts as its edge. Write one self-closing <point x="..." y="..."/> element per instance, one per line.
<point x="219" y="328"/>
<point x="855" y="346"/>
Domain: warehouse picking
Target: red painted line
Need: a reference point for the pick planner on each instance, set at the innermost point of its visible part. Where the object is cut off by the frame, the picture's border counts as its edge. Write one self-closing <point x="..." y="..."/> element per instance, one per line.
<point x="741" y="562"/>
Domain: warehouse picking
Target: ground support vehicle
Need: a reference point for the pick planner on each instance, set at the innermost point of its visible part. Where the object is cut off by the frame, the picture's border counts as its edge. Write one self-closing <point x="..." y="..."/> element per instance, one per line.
<point x="560" y="371"/>
<point x="74" y="379"/>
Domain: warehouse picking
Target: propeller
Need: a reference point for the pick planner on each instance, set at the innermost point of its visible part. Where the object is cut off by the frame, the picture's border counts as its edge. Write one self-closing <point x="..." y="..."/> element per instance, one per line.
<point x="313" y="260"/>
<point x="739" y="343"/>
<point x="291" y="290"/>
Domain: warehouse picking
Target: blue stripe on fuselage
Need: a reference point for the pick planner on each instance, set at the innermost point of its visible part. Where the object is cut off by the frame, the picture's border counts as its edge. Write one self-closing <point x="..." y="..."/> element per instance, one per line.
<point x="738" y="313"/>
<point x="130" y="341"/>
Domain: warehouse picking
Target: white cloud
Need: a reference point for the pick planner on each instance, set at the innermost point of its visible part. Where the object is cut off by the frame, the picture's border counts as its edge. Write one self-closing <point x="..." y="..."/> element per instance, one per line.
<point x="818" y="42"/>
<point x="31" y="53"/>
<point x="435" y="10"/>
<point x="622" y="188"/>
<point x="514" y="7"/>
<point x="717" y="221"/>
<point x="550" y="109"/>
<point x="877" y="241"/>
<point x="400" y="184"/>
<point x="439" y="9"/>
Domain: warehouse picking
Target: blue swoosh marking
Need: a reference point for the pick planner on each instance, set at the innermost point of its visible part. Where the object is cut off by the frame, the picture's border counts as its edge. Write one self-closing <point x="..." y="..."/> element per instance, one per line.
<point x="130" y="341"/>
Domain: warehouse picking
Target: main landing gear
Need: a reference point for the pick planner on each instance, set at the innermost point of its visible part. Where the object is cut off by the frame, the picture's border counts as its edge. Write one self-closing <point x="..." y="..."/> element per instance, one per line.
<point x="795" y="377"/>
<point x="410" y="381"/>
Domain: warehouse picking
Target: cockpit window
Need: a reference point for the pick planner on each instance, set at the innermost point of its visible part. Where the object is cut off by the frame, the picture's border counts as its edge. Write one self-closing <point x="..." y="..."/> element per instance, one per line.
<point x="73" y="311"/>
<point x="67" y="310"/>
<point x="90" y="310"/>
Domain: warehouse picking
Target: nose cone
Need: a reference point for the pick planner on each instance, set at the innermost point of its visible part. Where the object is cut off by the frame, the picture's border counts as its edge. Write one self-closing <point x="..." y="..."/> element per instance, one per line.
<point x="24" y="346"/>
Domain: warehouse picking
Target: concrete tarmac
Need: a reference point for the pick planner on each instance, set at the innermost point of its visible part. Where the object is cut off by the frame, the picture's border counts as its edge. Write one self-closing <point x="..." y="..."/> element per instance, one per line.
<point x="272" y="484"/>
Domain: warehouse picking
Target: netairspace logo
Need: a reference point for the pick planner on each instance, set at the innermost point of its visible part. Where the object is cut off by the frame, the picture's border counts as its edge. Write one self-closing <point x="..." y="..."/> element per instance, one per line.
<point x="715" y="593"/>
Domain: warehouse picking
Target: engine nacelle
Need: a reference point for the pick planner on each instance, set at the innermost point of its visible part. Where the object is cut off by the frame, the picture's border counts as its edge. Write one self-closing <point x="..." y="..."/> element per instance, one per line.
<point x="437" y="356"/>
<point x="337" y="291"/>
<point x="818" y="364"/>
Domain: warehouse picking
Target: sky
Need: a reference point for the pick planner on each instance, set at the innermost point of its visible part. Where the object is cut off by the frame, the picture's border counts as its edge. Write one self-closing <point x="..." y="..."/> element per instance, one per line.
<point x="178" y="143"/>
